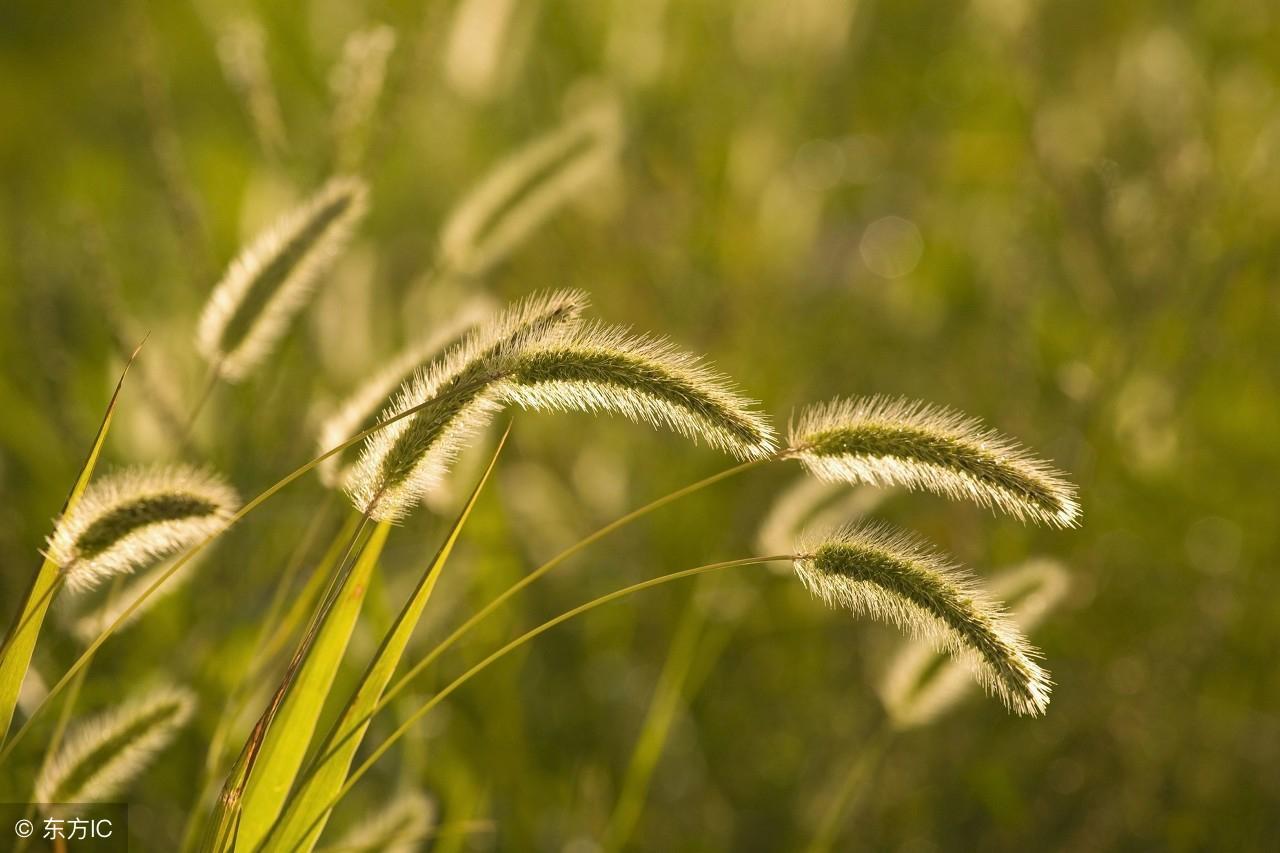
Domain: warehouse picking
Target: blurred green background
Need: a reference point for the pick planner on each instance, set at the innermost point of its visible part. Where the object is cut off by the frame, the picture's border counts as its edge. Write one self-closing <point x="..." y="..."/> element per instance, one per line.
<point x="1060" y="217"/>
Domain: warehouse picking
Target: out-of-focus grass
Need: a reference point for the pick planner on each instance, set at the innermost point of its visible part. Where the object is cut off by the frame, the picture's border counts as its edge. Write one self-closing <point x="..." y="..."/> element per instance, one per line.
<point x="1060" y="217"/>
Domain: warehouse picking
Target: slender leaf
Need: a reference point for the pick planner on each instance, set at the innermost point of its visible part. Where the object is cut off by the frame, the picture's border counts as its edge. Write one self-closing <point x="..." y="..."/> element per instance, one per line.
<point x="289" y="733"/>
<point x="20" y="642"/>
<point x="307" y="811"/>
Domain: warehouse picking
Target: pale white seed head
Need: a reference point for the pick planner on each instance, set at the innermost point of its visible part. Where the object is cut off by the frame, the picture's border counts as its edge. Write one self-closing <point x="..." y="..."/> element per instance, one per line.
<point x="404" y="460"/>
<point x="528" y="187"/>
<point x="885" y="441"/>
<point x="359" y="410"/>
<point x="893" y="577"/>
<point x="917" y="688"/>
<point x="401" y="827"/>
<point x="356" y="82"/>
<point x="131" y="518"/>
<point x="275" y="276"/>
<point x="599" y="368"/>
<point x="103" y="754"/>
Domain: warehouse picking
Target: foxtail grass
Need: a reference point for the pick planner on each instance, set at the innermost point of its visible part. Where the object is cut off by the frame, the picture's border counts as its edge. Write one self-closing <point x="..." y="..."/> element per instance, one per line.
<point x="917" y="688"/>
<point x="360" y="409"/>
<point x="399" y="827"/>
<point x="132" y="518"/>
<point x="106" y="753"/>
<point x="886" y="441"/>
<point x="271" y="279"/>
<point x="528" y="187"/>
<point x="891" y="576"/>
<point x="356" y="83"/>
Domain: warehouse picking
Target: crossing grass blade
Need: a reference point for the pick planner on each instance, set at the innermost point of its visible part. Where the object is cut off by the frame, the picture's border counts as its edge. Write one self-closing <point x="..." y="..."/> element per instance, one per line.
<point x="290" y="728"/>
<point x="307" y="811"/>
<point x="20" y="642"/>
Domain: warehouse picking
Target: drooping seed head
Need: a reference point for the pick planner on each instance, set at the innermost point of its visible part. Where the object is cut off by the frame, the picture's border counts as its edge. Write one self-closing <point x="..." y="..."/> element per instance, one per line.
<point x="360" y="410"/>
<point x="270" y="281"/>
<point x="129" y="519"/>
<point x="528" y="187"/>
<point x="598" y="368"/>
<point x="900" y="442"/>
<point x="459" y="394"/>
<point x="920" y="685"/>
<point x="890" y="576"/>
<point x="105" y="753"/>
<point x="400" y="827"/>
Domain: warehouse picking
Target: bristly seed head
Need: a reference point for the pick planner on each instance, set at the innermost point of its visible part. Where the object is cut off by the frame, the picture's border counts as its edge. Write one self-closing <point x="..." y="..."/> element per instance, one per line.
<point x="131" y="518"/>
<point x="917" y="687"/>
<point x="274" y="277"/>
<point x="606" y="369"/>
<point x="402" y="461"/>
<point x="104" y="754"/>
<point x="360" y="410"/>
<point x="890" y="576"/>
<point x="900" y="442"/>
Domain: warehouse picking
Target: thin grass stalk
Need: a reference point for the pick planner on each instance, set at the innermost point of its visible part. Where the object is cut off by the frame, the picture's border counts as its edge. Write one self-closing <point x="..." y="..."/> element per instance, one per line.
<point x="657" y="725"/>
<point x="479" y="616"/>
<point x="847" y="795"/>
<point x="270" y="635"/>
<point x="523" y="639"/>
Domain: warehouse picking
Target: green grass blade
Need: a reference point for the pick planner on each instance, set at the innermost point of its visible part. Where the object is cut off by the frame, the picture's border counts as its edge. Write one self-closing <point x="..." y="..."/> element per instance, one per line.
<point x="286" y="740"/>
<point x="20" y="643"/>
<point x="306" y="813"/>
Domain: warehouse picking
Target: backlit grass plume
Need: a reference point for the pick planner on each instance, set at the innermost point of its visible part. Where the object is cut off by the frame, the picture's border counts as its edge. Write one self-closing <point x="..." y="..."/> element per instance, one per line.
<point x="360" y="410"/>
<point x="891" y="576"/>
<point x="401" y="827"/>
<point x="399" y="463"/>
<point x="131" y="518"/>
<point x="918" y="686"/>
<point x="901" y="442"/>
<point x="104" y="754"/>
<point x="597" y="368"/>
<point x="528" y="187"/>
<point x="274" y="277"/>
<point x="590" y="369"/>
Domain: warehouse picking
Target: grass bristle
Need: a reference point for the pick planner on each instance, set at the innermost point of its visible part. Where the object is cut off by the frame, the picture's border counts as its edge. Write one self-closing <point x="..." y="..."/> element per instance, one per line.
<point x="401" y="827"/>
<point x="402" y="461"/>
<point x="266" y="285"/>
<point x="919" y="685"/>
<point x="360" y="409"/>
<point x="888" y="575"/>
<point x="104" y="754"/>
<point x="129" y="519"/>
<point x="886" y="441"/>
<point x="597" y="368"/>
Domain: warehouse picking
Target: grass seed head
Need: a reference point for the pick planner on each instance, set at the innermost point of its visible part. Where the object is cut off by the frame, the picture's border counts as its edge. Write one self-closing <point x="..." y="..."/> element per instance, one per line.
<point x="104" y="754"/>
<point x="271" y="279"/>
<point x="597" y="368"/>
<point x="400" y="827"/>
<point x="900" y="442"/>
<point x="131" y="518"/>
<point x="399" y="463"/>
<point x="888" y="575"/>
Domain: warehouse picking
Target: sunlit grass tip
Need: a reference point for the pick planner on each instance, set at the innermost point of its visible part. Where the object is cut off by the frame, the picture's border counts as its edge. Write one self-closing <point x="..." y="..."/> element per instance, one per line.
<point x="103" y="754"/>
<point x="886" y="441"/>
<point x="917" y="688"/>
<point x="888" y="575"/>
<point x="271" y="279"/>
<point x="599" y="368"/>
<point x="130" y="518"/>
<point x="360" y="409"/>
<point x="401" y="826"/>
<point x="459" y="393"/>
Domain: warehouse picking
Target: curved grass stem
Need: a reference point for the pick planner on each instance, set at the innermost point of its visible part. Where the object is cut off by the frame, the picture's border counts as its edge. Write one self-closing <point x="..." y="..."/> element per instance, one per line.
<point x="512" y="646"/>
